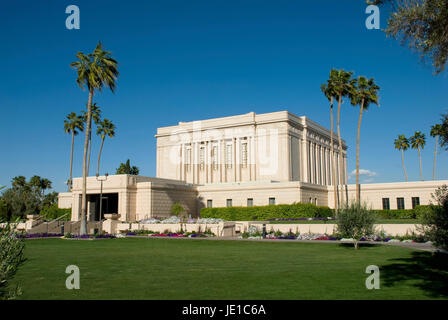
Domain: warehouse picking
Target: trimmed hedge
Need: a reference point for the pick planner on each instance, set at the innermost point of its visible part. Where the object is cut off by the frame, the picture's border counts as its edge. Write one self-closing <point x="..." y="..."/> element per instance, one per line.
<point x="297" y="211"/>
<point x="262" y="213"/>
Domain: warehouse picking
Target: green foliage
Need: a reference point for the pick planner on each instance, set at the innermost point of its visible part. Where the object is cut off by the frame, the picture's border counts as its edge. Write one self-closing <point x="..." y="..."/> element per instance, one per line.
<point x="435" y="221"/>
<point x="355" y="222"/>
<point x="53" y="212"/>
<point x="11" y="257"/>
<point x="125" y="168"/>
<point x="26" y="197"/>
<point x="177" y="209"/>
<point x="262" y="213"/>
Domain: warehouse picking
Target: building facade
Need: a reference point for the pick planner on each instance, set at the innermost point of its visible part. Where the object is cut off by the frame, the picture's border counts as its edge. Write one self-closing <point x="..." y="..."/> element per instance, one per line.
<point x="244" y="160"/>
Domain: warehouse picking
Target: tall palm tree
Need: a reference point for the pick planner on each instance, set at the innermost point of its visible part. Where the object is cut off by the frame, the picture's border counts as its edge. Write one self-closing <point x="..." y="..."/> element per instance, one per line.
<point x="105" y="129"/>
<point x="402" y="143"/>
<point x="96" y="71"/>
<point x="72" y="124"/>
<point x="436" y="131"/>
<point x="340" y="81"/>
<point x="96" y="116"/>
<point x="418" y="141"/>
<point x="363" y="92"/>
<point x="329" y="93"/>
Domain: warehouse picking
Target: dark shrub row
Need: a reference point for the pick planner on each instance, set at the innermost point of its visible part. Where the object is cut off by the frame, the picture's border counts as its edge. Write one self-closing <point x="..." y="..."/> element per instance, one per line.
<point x="297" y="211"/>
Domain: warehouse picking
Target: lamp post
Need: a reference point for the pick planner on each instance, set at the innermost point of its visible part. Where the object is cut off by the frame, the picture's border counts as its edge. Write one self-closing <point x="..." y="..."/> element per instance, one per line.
<point x="101" y="193"/>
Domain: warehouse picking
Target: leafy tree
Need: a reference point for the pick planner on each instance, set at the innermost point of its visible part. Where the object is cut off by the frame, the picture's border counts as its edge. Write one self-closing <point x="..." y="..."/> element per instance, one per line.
<point x="363" y="92"/>
<point x="418" y="142"/>
<point x="444" y="132"/>
<point x="422" y="24"/>
<point x="340" y="82"/>
<point x="435" y="221"/>
<point x="125" y="168"/>
<point x="436" y="131"/>
<point x="11" y="257"/>
<point x="402" y="144"/>
<point x="96" y="71"/>
<point x="329" y="92"/>
<point x="177" y="210"/>
<point x="355" y="222"/>
<point x="72" y="124"/>
<point x="105" y="129"/>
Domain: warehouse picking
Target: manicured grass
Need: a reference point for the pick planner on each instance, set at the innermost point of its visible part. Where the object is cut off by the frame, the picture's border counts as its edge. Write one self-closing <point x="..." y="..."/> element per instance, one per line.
<point x="379" y="221"/>
<point x="212" y="269"/>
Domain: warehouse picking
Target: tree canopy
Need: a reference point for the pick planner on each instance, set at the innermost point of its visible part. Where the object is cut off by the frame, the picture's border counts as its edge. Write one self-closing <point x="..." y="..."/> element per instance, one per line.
<point x="126" y="168"/>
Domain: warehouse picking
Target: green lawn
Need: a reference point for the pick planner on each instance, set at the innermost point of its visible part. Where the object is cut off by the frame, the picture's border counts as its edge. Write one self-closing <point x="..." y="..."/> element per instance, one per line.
<point x="379" y="221"/>
<point x="212" y="269"/>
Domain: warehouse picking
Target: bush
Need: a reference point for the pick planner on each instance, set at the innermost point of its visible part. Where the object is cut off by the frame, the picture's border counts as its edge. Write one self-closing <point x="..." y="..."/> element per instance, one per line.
<point x="355" y="222"/>
<point x="11" y="257"/>
<point x="435" y="221"/>
<point x="53" y="212"/>
<point x="262" y="213"/>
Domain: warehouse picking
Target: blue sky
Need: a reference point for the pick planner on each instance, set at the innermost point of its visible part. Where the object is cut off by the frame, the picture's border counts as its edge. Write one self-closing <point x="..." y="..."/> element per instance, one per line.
<point x="193" y="60"/>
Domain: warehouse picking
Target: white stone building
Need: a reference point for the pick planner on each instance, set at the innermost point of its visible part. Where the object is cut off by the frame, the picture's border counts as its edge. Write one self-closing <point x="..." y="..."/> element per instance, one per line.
<point x="243" y="160"/>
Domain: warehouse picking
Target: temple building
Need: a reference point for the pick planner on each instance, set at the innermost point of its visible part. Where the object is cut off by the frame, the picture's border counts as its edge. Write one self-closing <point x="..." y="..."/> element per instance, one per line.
<point x="244" y="160"/>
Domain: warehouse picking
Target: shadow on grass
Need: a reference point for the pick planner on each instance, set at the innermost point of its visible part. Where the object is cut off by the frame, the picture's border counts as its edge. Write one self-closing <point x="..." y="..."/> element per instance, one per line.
<point x="361" y="245"/>
<point x="427" y="270"/>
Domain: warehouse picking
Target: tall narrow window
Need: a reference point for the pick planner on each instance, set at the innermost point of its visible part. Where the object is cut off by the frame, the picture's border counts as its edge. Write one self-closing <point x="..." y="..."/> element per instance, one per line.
<point x="250" y="202"/>
<point x="229" y="156"/>
<point x="215" y="157"/>
<point x="188" y="158"/>
<point x="400" y="203"/>
<point x="271" y="200"/>
<point x="209" y="203"/>
<point x="229" y="202"/>
<point x="386" y="204"/>
<point x="415" y="202"/>
<point x="201" y="158"/>
<point x="244" y="154"/>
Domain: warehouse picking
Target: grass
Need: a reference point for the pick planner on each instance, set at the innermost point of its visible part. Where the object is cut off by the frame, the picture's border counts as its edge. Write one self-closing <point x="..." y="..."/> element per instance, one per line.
<point x="213" y="269"/>
<point x="379" y="221"/>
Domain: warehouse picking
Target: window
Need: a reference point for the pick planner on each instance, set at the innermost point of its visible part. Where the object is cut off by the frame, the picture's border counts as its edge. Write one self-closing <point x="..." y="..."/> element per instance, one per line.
<point x="229" y="202"/>
<point x="188" y="158"/>
<point x="386" y="204"/>
<point x="415" y="202"/>
<point x="215" y="157"/>
<point x="244" y="154"/>
<point x="250" y="202"/>
<point x="400" y="203"/>
<point x="209" y="203"/>
<point x="229" y="156"/>
<point x="201" y="158"/>
<point x="271" y="200"/>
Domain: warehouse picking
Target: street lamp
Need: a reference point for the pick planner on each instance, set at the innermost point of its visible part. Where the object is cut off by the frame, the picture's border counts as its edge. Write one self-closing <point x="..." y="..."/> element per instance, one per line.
<point x="101" y="192"/>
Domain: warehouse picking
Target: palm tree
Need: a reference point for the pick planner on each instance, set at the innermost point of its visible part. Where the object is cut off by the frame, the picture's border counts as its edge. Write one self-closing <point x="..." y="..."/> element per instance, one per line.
<point x="402" y="143"/>
<point x="418" y="141"/>
<point x="329" y="93"/>
<point x="340" y="82"/>
<point x="96" y="116"/>
<point x="436" y="131"/>
<point x="363" y="92"/>
<point x="105" y="128"/>
<point x="95" y="70"/>
<point x="72" y="124"/>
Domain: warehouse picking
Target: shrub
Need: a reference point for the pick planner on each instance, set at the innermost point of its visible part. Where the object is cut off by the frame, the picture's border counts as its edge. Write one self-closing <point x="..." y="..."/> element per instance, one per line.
<point x="355" y="222"/>
<point x="262" y="213"/>
<point x="177" y="210"/>
<point x="435" y="221"/>
<point x="53" y="212"/>
<point x="11" y="257"/>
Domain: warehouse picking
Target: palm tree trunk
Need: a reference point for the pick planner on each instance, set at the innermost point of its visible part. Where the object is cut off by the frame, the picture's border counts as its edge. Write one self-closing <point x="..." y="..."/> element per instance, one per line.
<point x="332" y="163"/>
<point x="83" y="229"/>
<point x="420" y="160"/>
<point x="99" y="157"/>
<point x="71" y="162"/>
<point x="434" y="168"/>
<point x="90" y="148"/>
<point x="404" y="169"/>
<point x="340" y="147"/>
<point x="358" y="189"/>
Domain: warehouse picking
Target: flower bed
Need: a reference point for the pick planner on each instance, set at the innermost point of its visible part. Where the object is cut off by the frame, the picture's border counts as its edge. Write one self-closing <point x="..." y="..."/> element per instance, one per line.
<point x="39" y="235"/>
<point x="150" y="233"/>
<point x="90" y="236"/>
<point x="174" y="220"/>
